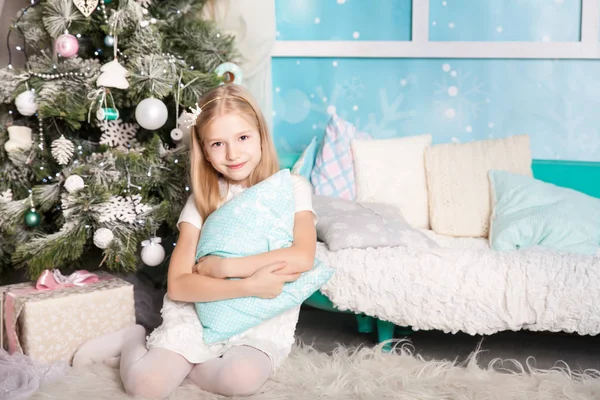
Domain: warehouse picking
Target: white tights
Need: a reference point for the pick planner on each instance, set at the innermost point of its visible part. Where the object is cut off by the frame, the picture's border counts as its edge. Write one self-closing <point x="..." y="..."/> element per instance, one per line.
<point x="156" y="373"/>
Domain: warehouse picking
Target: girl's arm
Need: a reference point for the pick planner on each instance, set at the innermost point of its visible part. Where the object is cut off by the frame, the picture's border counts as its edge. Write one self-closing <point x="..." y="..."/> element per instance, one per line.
<point x="299" y="257"/>
<point x="183" y="285"/>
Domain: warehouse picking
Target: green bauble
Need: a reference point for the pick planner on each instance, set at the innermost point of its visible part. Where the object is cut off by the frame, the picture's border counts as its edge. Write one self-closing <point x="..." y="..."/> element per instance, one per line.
<point x="32" y="219"/>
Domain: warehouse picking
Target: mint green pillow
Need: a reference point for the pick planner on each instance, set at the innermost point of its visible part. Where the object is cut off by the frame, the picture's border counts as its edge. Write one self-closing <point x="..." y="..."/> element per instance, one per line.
<point x="306" y="162"/>
<point x="527" y="212"/>
<point x="258" y="220"/>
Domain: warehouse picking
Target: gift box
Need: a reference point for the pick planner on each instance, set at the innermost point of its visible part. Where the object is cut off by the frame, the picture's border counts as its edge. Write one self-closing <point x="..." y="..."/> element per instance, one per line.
<point x="50" y="319"/>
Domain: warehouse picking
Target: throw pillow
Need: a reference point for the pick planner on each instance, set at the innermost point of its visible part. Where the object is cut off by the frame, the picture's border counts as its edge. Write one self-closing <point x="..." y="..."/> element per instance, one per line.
<point x="392" y="171"/>
<point x="306" y="162"/>
<point x="347" y="224"/>
<point x="258" y="220"/>
<point x="333" y="173"/>
<point x="458" y="184"/>
<point x="528" y="212"/>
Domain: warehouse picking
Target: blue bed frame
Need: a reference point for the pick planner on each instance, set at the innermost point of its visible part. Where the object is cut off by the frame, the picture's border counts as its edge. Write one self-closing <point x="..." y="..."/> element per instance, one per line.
<point x="578" y="175"/>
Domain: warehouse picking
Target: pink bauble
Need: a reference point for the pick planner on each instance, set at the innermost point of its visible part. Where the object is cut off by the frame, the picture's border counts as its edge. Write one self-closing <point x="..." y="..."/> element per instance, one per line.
<point x="66" y="45"/>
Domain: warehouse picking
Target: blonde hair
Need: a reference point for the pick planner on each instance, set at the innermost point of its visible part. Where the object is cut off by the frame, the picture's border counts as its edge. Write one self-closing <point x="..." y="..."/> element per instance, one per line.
<point x="222" y="100"/>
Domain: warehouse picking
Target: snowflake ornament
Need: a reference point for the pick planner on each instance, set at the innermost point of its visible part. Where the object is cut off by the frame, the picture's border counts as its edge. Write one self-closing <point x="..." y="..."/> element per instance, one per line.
<point x="118" y="134"/>
<point x="122" y="209"/>
<point x="6" y="196"/>
<point x="62" y="150"/>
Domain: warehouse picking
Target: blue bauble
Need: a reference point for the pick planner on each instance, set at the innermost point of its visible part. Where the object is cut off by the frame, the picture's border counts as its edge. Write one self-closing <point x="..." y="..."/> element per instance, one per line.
<point x="109" y="41"/>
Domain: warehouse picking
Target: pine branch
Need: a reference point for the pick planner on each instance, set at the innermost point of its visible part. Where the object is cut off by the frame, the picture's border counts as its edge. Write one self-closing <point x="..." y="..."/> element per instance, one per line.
<point x="150" y="75"/>
<point x="10" y="80"/>
<point x="61" y="16"/>
<point x="129" y="13"/>
<point x="195" y="85"/>
<point x="143" y="41"/>
<point x="31" y="25"/>
<point x="197" y="42"/>
<point x="58" y="248"/>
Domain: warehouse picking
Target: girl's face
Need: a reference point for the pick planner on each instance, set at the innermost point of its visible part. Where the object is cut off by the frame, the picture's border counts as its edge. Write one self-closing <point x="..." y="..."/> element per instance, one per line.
<point x="233" y="147"/>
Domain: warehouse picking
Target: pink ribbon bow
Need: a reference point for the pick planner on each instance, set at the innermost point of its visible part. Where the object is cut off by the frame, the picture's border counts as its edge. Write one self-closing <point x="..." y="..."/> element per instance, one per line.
<point x="53" y="279"/>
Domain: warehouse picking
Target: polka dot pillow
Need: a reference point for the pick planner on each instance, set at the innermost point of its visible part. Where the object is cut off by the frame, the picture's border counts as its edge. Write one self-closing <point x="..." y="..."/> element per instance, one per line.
<point x="258" y="220"/>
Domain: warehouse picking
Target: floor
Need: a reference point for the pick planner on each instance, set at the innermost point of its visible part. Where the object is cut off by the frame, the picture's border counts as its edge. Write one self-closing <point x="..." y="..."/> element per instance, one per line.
<point x="324" y="330"/>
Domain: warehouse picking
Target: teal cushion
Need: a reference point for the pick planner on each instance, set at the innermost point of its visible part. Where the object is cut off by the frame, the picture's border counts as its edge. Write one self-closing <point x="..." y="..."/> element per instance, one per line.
<point x="258" y="220"/>
<point x="528" y="212"/>
<point x="306" y="162"/>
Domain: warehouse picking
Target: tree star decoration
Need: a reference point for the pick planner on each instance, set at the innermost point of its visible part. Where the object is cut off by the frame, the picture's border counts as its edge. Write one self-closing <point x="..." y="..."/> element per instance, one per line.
<point x="62" y="150"/>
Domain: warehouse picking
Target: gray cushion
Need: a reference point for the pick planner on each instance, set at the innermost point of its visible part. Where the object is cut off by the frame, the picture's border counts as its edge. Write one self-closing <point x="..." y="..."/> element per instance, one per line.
<point x="346" y="224"/>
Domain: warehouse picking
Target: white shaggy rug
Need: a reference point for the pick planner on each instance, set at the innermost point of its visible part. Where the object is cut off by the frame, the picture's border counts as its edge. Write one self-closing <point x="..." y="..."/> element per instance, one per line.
<point x="364" y="373"/>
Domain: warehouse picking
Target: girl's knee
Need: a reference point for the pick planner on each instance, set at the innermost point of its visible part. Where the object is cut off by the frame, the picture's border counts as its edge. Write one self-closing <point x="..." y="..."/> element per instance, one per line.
<point x="240" y="377"/>
<point x="141" y="383"/>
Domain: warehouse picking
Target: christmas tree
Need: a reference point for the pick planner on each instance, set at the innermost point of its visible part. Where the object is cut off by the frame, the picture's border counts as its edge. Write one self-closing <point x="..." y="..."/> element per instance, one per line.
<point x="94" y="128"/>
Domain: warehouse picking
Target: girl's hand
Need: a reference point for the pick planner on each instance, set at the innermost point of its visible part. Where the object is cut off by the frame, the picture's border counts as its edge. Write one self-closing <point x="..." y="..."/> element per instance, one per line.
<point x="266" y="283"/>
<point x="212" y="266"/>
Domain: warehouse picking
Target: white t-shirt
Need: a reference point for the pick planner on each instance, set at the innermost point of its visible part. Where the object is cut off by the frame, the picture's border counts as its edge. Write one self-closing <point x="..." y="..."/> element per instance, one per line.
<point x="303" y="192"/>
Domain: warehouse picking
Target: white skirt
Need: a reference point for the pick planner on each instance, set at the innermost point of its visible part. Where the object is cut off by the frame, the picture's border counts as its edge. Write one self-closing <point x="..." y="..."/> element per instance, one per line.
<point x="181" y="332"/>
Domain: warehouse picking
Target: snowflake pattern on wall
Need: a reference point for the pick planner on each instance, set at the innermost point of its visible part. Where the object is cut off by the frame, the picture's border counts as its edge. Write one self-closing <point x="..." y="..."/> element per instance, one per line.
<point x="124" y="209"/>
<point x="460" y="97"/>
<point x="118" y="134"/>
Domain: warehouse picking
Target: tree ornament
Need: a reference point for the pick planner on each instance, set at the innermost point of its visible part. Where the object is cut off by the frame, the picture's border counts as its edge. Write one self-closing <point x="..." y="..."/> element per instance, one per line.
<point x="152" y="252"/>
<point x="103" y="237"/>
<point x="118" y="134"/>
<point x="230" y="72"/>
<point x="74" y="183"/>
<point x="86" y="7"/>
<point x="151" y="113"/>
<point x="66" y="45"/>
<point x="26" y="104"/>
<point x="177" y="135"/>
<point x="113" y="75"/>
<point x="32" y="218"/>
<point x="107" y="114"/>
<point x="109" y="41"/>
<point x="19" y="139"/>
<point x="62" y="150"/>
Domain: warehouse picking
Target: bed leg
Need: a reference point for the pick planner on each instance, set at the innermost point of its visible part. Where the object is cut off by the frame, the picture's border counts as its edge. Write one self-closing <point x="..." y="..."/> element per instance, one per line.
<point x="365" y="323"/>
<point x="385" y="331"/>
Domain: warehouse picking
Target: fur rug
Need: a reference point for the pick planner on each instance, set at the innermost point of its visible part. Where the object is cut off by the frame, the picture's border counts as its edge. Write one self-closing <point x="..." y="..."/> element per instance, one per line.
<point x="365" y="373"/>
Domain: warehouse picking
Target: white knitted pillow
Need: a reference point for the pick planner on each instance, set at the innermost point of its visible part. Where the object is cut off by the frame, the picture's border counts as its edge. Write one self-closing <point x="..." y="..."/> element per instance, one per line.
<point x="458" y="183"/>
<point x="392" y="171"/>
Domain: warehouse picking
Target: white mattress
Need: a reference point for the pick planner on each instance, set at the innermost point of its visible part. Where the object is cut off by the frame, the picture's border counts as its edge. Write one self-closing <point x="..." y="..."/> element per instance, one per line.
<point x="465" y="286"/>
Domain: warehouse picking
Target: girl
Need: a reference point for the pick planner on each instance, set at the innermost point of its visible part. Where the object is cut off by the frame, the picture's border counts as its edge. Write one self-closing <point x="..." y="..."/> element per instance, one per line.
<point x="231" y="150"/>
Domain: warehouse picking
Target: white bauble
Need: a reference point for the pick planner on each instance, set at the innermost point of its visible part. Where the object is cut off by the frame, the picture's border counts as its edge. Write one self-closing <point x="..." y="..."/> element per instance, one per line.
<point x="151" y="113"/>
<point x="152" y="253"/>
<point x="26" y="104"/>
<point x="103" y="237"/>
<point x="74" y="183"/>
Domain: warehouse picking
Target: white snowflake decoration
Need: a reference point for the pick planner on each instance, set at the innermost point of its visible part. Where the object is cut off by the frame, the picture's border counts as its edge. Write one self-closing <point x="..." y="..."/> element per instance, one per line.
<point x="118" y="134"/>
<point x="145" y="3"/>
<point x="6" y="196"/>
<point x="123" y="209"/>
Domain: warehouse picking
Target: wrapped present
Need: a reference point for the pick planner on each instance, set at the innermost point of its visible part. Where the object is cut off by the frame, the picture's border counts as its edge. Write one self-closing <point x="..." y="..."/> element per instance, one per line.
<point x="49" y="319"/>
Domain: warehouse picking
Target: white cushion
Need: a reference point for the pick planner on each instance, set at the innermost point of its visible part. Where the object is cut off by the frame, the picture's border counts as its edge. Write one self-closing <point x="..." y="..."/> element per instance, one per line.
<point x="392" y="171"/>
<point x="458" y="183"/>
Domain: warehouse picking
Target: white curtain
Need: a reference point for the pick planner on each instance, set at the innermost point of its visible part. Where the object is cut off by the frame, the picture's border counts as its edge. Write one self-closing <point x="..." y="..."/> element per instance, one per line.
<point x="253" y="24"/>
